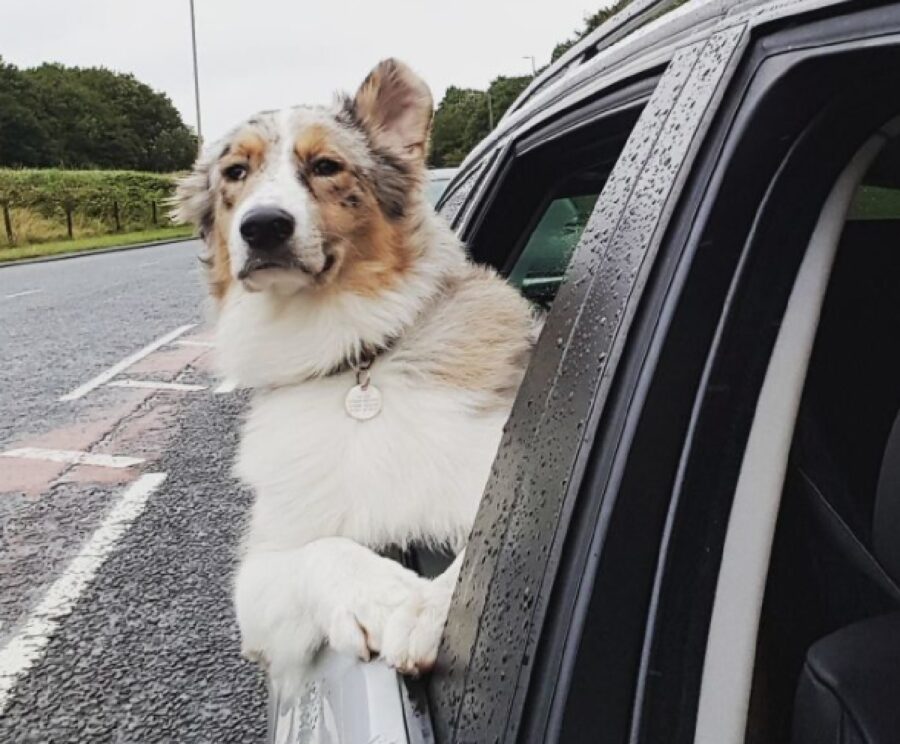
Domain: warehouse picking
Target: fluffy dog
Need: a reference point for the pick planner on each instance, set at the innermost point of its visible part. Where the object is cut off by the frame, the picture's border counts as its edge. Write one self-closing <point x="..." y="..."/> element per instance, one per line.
<point x="383" y="366"/>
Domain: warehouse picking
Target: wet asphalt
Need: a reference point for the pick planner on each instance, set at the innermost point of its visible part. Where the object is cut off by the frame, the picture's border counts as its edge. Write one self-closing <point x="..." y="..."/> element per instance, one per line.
<point x="150" y="651"/>
<point x="63" y="321"/>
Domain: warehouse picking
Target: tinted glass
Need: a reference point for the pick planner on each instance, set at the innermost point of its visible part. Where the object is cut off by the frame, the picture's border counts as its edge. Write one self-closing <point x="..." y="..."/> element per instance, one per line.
<point x="878" y="198"/>
<point x="435" y="188"/>
<point x="540" y="268"/>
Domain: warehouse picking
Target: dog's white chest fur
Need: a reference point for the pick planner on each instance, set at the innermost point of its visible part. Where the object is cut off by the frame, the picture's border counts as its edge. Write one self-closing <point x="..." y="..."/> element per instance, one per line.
<point x="392" y="479"/>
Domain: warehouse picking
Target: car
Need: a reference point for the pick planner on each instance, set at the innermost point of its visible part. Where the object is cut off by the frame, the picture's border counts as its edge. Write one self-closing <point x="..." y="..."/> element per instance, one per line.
<point x="438" y="180"/>
<point x="691" y="529"/>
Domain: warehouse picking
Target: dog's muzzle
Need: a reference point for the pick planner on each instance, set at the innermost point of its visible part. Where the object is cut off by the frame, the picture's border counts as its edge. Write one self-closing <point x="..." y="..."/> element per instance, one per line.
<point x="267" y="232"/>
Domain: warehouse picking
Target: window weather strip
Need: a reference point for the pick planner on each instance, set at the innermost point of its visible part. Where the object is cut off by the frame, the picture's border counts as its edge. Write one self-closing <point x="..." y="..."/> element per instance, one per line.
<point x="731" y="647"/>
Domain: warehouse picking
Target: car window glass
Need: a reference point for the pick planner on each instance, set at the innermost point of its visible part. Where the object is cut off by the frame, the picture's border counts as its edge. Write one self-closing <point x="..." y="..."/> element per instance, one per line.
<point x="876" y="203"/>
<point x="435" y="188"/>
<point x="878" y="197"/>
<point x="540" y="268"/>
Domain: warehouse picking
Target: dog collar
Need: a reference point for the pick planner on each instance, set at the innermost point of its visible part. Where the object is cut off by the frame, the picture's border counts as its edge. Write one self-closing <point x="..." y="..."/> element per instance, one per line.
<point x="363" y="400"/>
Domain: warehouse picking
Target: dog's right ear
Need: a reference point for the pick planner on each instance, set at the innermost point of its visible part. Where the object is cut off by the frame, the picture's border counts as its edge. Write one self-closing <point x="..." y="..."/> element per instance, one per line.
<point x="395" y="106"/>
<point x="192" y="203"/>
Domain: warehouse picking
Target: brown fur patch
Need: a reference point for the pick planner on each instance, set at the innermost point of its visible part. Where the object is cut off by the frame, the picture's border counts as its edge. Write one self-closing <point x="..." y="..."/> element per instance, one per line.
<point x="478" y="337"/>
<point x="312" y="142"/>
<point x="219" y="266"/>
<point x="371" y="250"/>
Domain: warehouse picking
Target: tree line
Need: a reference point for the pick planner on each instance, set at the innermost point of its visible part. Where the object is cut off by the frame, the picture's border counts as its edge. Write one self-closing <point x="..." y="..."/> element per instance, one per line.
<point x="88" y="118"/>
<point x="94" y="118"/>
<point x="466" y="115"/>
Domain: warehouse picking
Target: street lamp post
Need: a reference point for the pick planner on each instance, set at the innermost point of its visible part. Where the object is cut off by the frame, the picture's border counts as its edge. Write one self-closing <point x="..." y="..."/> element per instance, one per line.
<point x="196" y="79"/>
<point x="533" y="66"/>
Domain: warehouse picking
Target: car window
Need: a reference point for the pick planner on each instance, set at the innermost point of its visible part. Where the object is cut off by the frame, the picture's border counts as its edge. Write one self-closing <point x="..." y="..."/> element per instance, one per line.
<point x="435" y="188"/>
<point x="838" y="476"/>
<point x="876" y="203"/>
<point x="532" y="214"/>
<point x="540" y="268"/>
<point x="878" y="198"/>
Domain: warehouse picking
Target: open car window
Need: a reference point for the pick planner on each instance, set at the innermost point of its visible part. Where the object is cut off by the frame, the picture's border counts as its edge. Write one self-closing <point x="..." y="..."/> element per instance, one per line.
<point x="540" y="268"/>
<point x="878" y="197"/>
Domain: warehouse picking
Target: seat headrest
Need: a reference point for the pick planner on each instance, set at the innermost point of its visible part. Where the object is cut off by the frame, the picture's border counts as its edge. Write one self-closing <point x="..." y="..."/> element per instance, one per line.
<point x="886" y="517"/>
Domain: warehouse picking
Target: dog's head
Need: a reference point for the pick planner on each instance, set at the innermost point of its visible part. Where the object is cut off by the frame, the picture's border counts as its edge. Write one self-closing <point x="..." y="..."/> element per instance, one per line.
<point x="314" y="198"/>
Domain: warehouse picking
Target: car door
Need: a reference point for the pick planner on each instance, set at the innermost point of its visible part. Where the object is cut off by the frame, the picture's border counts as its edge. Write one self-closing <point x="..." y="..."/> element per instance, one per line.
<point x="583" y="610"/>
<point x="628" y="663"/>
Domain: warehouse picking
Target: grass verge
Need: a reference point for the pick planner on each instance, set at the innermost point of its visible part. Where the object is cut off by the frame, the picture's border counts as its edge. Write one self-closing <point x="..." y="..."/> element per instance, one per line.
<point x="100" y="241"/>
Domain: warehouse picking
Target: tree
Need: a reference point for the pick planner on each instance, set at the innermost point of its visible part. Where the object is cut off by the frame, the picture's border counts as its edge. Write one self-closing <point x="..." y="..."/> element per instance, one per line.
<point x="463" y="118"/>
<point x="88" y="118"/>
<point x="23" y="137"/>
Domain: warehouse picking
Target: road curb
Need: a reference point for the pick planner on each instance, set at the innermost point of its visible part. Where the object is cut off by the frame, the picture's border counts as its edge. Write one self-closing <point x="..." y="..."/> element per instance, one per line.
<point x="92" y="252"/>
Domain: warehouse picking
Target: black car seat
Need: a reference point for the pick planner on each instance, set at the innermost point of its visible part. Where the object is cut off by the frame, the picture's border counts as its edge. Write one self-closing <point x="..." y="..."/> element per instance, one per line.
<point x="834" y="562"/>
<point x="849" y="689"/>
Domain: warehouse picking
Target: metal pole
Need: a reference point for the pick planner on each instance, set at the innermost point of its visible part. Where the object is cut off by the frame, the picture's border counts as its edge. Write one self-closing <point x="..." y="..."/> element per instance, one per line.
<point x="490" y="110"/>
<point x="527" y="56"/>
<point x="196" y="79"/>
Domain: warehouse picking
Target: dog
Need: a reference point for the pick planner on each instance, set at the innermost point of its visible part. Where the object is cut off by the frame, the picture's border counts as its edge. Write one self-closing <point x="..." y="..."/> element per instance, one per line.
<point x="383" y="366"/>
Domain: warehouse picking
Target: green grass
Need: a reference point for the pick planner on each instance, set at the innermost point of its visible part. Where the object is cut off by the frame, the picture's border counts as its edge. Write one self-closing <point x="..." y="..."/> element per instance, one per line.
<point x="99" y="241"/>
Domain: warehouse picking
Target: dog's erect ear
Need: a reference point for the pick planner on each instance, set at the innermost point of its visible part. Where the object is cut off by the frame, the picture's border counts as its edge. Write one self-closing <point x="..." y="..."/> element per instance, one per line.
<point x="395" y="106"/>
<point x="193" y="203"/>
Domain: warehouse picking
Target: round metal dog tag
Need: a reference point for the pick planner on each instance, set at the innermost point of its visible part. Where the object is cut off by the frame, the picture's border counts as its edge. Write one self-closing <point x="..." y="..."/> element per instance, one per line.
<point x="363" y="402"/>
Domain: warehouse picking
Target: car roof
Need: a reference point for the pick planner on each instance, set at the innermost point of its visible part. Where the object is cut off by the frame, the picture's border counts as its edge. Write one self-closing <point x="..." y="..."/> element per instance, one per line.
<point x="640" y="38"/>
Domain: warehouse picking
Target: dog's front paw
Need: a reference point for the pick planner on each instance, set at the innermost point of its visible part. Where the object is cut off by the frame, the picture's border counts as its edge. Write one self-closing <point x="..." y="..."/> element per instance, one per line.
<point x="413" y="632"/>
<point x="367" y="607"/>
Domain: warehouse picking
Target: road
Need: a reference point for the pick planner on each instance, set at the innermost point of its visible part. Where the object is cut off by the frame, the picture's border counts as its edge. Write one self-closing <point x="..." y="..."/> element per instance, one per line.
<point x="120" y="520"/>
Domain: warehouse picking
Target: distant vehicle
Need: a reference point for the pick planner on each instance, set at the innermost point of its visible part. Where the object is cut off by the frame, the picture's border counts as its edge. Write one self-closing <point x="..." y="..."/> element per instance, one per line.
<point x="692" y="530"/>
<point x="438" y="180"/>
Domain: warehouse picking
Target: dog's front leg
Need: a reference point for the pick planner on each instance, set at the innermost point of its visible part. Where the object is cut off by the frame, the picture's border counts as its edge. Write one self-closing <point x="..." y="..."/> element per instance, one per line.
<point x="413" y="633"/>
<point x="331" y="590"/>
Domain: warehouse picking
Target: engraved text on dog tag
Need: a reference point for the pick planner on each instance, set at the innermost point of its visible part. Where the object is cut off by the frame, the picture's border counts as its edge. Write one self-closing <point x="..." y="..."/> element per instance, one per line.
<point x="363" y="402"/>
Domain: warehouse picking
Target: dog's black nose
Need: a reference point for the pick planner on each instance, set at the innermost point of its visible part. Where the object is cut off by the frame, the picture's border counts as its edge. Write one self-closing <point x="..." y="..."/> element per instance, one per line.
<point x="267" y="228"/>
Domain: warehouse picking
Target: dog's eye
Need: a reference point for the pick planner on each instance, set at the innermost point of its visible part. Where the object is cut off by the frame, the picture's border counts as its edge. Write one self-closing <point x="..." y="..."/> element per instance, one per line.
<point x="236" y="172"/>
<point x="326" y="167"/>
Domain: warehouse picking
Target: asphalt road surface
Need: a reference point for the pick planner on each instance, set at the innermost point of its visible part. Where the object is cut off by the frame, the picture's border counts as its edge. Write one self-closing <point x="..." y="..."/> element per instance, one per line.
<point x="119" y="517"/>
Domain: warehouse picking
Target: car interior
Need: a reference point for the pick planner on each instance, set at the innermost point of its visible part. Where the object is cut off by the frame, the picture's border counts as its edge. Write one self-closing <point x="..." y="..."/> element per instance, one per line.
<point x="828" y="653"/>
<point x="544" y="201"/>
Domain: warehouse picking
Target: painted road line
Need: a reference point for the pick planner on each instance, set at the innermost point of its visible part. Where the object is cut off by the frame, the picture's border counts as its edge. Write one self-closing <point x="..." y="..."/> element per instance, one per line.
<point x="23" y="294"/>
<point x="28" y="645"/>
<point x="227" y="386"/>
<point x="73" y="457"/>
<point x="108" y="374"/>
<point x="193" y="342"/>
<point x="157" y="385"/>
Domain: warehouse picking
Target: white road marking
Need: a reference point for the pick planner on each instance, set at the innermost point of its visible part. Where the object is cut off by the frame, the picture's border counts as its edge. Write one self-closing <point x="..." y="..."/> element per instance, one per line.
<point x="108" y="374"/>
<point x="28" y="645"/>
<point x="73" y="457"/>
<point x="227" y="386"/>
<point x="147" y="263"/>
<point x="194" y="342"/>
<point x="157" y="385"/>
<point x="23" y="294"/>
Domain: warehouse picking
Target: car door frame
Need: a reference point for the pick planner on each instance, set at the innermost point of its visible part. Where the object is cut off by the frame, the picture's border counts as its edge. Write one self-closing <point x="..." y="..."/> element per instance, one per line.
<point x="479" y="689"/>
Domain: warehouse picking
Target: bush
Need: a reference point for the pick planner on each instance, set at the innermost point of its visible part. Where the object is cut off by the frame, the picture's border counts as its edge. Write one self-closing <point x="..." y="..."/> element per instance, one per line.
<point x="38" y="202"/>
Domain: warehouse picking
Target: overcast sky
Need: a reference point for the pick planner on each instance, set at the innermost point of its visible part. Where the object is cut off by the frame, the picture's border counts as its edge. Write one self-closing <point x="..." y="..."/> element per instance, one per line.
<point x="264" y="54"/>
